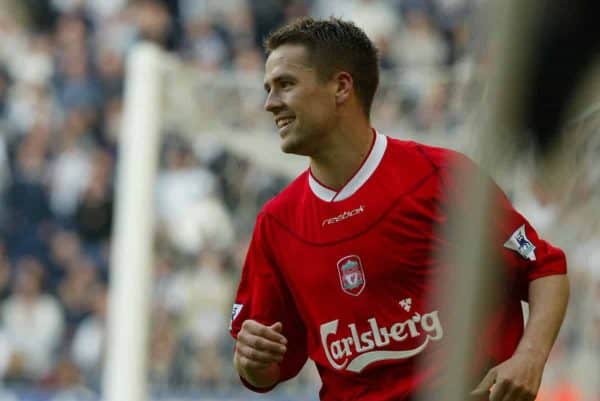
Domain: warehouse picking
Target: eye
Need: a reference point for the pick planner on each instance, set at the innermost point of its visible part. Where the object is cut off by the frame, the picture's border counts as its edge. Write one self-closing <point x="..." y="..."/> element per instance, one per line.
<point x="286" y="84"/>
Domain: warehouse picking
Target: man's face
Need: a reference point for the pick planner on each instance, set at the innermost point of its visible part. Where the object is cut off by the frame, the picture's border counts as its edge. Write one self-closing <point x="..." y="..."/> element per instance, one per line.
<point x="303" y="107"/>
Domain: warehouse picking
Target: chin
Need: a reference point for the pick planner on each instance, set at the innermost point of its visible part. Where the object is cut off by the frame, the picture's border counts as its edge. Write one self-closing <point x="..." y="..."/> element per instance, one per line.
<point x="291" y="144"/>
<point x="286" y="148"/>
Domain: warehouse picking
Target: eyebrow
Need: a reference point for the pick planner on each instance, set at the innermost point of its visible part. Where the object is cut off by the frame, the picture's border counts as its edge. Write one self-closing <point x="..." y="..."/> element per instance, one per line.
<point x="279" y="78"/>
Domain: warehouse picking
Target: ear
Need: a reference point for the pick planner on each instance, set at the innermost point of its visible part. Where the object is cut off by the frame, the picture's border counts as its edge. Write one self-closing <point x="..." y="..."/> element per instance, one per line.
<point x="344" y="85"/>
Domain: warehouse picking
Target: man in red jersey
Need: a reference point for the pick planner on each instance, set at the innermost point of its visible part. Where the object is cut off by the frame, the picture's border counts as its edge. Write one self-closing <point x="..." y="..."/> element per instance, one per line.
<point x="341" y="263"/>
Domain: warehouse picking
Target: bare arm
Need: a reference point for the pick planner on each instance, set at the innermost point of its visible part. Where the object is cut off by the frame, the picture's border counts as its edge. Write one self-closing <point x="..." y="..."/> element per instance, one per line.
<point x="519" y="377"/>
<point x="548" y="297"/>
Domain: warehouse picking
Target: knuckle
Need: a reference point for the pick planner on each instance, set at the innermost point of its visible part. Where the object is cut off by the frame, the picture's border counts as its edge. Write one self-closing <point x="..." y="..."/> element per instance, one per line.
<point x="244" y="362"/>
<point x="251" y="354"/>
<point x="260" y="330"/>
<point x="258" y="343"/>
<point x="242" y="350"/>
<point x="242" y="340"/>
<point x="247" y="324"/>
<point x="521" y="388"/>
<point x="249" y="363"/>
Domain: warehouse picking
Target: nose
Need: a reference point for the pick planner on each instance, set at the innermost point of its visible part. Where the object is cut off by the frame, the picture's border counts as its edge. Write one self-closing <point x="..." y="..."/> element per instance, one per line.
<point x="273" y="102"/>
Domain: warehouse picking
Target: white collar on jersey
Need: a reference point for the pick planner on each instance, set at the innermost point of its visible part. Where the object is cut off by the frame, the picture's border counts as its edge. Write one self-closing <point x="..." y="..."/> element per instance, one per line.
<point x="358" y="180"/>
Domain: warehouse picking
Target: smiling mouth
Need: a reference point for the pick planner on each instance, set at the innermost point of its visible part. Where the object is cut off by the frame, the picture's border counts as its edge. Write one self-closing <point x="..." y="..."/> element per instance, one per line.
<point x="284" y="122"/>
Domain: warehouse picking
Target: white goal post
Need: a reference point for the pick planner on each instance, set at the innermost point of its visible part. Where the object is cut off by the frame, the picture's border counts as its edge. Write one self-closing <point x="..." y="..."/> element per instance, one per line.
<point x="125" y="374"/>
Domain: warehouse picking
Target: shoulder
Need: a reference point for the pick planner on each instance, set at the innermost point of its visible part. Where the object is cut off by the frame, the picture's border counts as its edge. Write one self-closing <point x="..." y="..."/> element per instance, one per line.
<point x="438" y="157"/>
<point x="417" y="150"/>
<point x="446" y="160"/>
<point x="419" y="155"/>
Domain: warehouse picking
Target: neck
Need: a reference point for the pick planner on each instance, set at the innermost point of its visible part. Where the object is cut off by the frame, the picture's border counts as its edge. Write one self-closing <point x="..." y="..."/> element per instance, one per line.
<point x="341" y="156"/>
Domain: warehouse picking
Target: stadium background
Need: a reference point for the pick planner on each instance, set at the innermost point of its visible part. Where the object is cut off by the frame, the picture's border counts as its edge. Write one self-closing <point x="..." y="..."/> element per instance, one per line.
<point x="61" y="98"/>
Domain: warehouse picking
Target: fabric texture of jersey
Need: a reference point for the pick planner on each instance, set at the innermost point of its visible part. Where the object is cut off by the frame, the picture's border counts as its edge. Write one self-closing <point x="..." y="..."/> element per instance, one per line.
<point x="351" y="273"/>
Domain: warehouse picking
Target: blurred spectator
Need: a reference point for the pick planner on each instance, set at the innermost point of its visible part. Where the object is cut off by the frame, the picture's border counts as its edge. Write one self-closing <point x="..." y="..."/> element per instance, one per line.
<point x="5" y="83"/>
<point x="35" y="66"/>
<point x="248" y="64"/>
<point x="111" y="121"/>
<point x="75" y="292"/>
<point x="29" y="105"/>
<point x="110" y="69"/>
<point x="182" y="182"/>
<point x="200" y="298"/>
<point x="11" y="361"/>
<point x="202" y="225"/>
<point x="377" y="18"/>
<point x="27" y="198"/>
<point x="433" y="113"/>
<point x="33" y="321"/>
<point x="94" y="211"/>
<point x="187" y="205"/>
<point x="88" y="345"/>
<point x="68" y="6"/>
<point x="240" y="28"/>
<point x="77" y="87"/>
<point x="70" y="35"/>
<point x="64" y="252"/>
<point x="204" y="292"/>
<point x="163" y="280"/>
<point x="206" y="47"/>
<point x="4" y="181"/>
<point x="420" y="45"/>
<point x="118" y="32"/>
<point x="215" y="10"/>
<point x="5" y="273"/>
<point x="267" y="15"/>
<point x="452" y="17"/>
<point x="66" y="379"/>
<point x="163" y="349"/>
<point x="70" y="170"/>
<point x="14" y="36"/>
<point x="153" y="21"/>
<point x="101" y="10"/>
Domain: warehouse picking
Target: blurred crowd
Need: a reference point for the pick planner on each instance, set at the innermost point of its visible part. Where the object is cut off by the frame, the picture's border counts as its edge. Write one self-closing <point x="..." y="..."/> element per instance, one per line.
<point x="61" y="98"/>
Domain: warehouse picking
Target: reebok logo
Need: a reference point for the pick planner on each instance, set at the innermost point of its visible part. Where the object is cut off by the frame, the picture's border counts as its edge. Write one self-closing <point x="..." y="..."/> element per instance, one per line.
<point x="343" y="216"/>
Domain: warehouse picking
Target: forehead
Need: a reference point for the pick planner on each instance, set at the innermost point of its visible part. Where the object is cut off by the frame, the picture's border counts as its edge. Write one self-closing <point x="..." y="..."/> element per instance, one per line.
<point x="287" y="59"/>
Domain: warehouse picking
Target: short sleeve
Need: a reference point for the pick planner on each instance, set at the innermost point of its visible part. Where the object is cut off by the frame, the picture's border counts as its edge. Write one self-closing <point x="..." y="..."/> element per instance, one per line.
<point x="522" y="249"/>
<point x="263" y="296"/>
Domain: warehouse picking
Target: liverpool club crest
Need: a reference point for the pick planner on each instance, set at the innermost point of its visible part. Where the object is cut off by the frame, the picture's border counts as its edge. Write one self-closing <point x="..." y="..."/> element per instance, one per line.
<point x="352" y="275"/>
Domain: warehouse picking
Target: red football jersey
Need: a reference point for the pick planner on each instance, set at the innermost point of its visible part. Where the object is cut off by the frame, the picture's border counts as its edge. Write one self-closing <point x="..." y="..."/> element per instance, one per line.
<point x="349" y="273"/>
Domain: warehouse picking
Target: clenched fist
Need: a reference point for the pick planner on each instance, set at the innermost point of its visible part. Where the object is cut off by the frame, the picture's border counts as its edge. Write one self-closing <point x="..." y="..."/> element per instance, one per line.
<point x="258" y="352"/>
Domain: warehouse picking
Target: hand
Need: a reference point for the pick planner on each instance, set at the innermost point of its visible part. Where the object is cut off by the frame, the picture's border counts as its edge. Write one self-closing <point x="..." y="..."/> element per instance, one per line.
<point x="516" y="379"/>
<point x="258" y="348"/>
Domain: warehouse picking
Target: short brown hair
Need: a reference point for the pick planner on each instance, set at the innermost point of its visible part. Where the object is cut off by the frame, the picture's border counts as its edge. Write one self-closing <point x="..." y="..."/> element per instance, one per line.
<point x="334" y="45"/>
